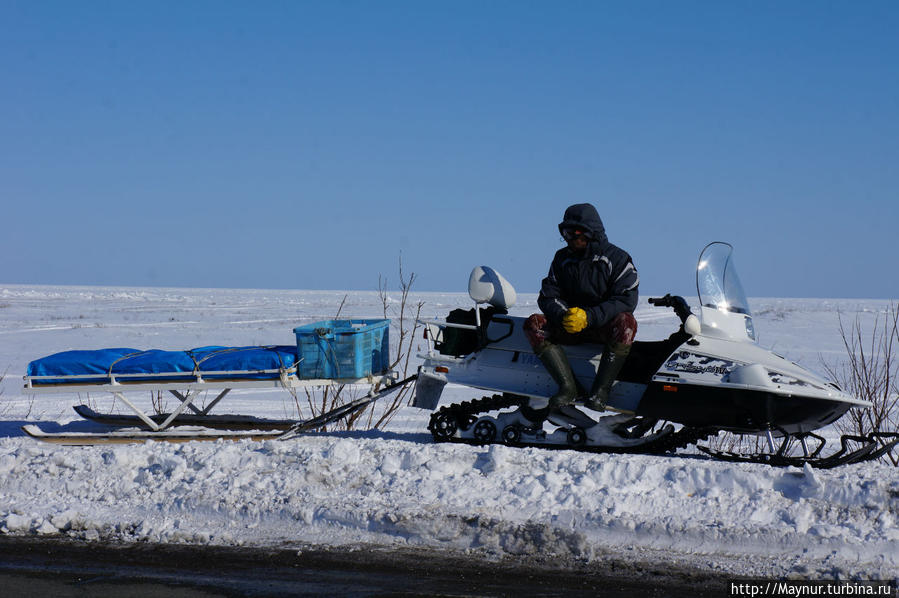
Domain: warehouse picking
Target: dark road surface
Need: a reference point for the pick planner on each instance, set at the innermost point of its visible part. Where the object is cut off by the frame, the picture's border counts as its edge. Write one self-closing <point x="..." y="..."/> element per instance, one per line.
<point x="62" y="568"/>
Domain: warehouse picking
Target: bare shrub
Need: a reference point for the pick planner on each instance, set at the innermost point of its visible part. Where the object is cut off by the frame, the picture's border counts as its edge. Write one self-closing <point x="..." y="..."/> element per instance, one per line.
<point x="159" y="404"/>
<point x="406" y="326"/>
<point x="754" y="444"/>
<point x="403" y="317"/>
<point x="7" y="408"/>
<point x="747" y="444"/>
<point x="872" y="374"/>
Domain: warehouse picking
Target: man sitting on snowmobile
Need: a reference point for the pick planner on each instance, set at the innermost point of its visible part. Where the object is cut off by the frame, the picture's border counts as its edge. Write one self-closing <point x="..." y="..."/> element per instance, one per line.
<point x="588" y="297"/>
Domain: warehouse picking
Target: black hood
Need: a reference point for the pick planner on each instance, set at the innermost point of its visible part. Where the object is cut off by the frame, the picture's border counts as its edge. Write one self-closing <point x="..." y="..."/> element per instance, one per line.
<point x="585" y="216"/>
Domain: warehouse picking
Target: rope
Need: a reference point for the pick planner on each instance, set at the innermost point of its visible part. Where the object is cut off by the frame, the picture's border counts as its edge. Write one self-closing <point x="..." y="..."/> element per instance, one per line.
<point x="323" y="336"/>
<point x="110" y="373"/>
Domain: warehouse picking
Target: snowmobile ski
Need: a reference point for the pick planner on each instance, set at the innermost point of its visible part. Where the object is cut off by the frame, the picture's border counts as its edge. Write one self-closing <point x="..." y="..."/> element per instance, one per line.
<point x="866" y="449"/>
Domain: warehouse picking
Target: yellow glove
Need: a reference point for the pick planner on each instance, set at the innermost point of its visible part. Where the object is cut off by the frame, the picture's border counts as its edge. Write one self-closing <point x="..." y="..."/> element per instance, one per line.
<point x="574" y="320"/>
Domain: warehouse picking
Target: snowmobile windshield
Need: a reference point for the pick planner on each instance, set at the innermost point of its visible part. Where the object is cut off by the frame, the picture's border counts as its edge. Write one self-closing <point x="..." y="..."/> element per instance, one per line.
<point x="717" y="281"/>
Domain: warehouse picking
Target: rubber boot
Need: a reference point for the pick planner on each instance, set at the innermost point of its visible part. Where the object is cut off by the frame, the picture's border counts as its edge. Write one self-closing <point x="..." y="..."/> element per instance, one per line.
<point x="610" y="365"/>
<point x="556" y="363"/>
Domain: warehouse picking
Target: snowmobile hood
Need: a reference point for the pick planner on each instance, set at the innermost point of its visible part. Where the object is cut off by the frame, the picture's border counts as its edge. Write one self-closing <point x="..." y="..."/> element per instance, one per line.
<point x="585" y="216"/>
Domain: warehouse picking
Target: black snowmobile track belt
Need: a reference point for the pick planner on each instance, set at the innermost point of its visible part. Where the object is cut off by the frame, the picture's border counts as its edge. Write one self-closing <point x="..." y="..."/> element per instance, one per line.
<point x="446" y="420"/>
<point x="444" y="423"/>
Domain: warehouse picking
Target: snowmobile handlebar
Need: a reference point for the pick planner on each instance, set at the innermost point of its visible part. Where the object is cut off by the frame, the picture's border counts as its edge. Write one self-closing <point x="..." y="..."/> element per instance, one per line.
<point x="675" y="302"/>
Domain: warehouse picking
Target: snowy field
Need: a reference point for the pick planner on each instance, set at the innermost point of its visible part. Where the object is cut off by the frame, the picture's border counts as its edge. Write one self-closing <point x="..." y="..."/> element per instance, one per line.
<point x="397" y="487"/>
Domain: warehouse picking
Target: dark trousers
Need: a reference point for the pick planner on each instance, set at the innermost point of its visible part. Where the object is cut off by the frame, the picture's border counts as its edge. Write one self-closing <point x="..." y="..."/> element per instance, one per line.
<point x="620" y="330"/>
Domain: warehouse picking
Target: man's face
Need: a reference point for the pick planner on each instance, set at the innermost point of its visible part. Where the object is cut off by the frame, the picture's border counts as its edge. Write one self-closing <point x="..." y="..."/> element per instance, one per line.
<point x="576" y="238"/>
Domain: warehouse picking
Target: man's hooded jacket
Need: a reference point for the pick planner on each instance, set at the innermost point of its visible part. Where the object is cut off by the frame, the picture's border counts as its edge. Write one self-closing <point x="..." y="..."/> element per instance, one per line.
<point x="603" y="281"/>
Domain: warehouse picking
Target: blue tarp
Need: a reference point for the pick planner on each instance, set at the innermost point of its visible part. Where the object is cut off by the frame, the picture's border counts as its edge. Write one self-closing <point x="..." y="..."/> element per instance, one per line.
<point x="134" y="361"/>
<point x="76" y="363"/>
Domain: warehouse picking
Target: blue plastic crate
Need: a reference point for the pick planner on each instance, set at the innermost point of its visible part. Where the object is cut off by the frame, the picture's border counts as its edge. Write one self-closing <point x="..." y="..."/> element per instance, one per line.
<point x="343" y="348"/>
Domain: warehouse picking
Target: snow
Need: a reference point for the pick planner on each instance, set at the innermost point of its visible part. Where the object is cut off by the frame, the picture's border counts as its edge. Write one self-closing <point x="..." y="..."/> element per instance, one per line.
<point x="396" y="487"/>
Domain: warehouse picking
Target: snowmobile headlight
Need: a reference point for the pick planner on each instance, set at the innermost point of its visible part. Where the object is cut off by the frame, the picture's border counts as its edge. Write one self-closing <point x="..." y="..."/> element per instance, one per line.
<point x="750" y="329"/>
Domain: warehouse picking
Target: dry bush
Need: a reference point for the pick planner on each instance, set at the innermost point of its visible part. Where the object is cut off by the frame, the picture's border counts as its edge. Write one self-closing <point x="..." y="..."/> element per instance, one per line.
<point x="403" y="315"/>
<point x="7" y="408"/>
<point x="745" y="444"/>
<point x="160" y="405"/>
<point x="872" y="374"/>
<point x="405" y="326"/>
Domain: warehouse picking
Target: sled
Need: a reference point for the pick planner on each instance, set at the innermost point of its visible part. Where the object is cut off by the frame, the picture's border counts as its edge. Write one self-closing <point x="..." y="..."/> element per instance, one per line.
<point x="332" y="353"/>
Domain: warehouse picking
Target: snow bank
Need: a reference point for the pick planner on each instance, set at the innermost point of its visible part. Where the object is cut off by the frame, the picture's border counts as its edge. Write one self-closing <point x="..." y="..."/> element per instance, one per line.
<point x="346" y="489"/>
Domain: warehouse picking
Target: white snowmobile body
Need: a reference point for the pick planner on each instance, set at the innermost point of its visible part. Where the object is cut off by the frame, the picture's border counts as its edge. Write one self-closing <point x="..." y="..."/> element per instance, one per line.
<point x="709" y="373"/>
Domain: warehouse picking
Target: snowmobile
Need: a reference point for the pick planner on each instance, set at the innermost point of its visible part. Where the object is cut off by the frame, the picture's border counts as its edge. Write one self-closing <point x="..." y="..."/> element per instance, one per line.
<point x="709" y="375"/>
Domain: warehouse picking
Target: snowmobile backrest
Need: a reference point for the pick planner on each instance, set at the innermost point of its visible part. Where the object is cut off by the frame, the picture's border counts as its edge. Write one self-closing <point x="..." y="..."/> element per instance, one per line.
<point x="486" y="285"/>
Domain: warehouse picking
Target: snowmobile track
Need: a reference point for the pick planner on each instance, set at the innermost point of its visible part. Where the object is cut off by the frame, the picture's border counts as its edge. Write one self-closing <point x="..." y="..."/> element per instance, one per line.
<point x="461" y="416"/>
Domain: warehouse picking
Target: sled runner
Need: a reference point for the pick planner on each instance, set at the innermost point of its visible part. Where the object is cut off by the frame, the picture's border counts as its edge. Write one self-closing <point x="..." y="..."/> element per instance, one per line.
<point x="129" y="436"/>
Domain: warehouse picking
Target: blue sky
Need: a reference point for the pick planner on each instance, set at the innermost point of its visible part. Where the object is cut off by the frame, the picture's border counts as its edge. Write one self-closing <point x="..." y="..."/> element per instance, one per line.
<point x="309" y="145"/>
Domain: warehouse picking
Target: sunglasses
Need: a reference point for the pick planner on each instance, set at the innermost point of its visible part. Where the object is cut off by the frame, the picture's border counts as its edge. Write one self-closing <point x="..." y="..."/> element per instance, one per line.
<point x="574" y="233"/>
